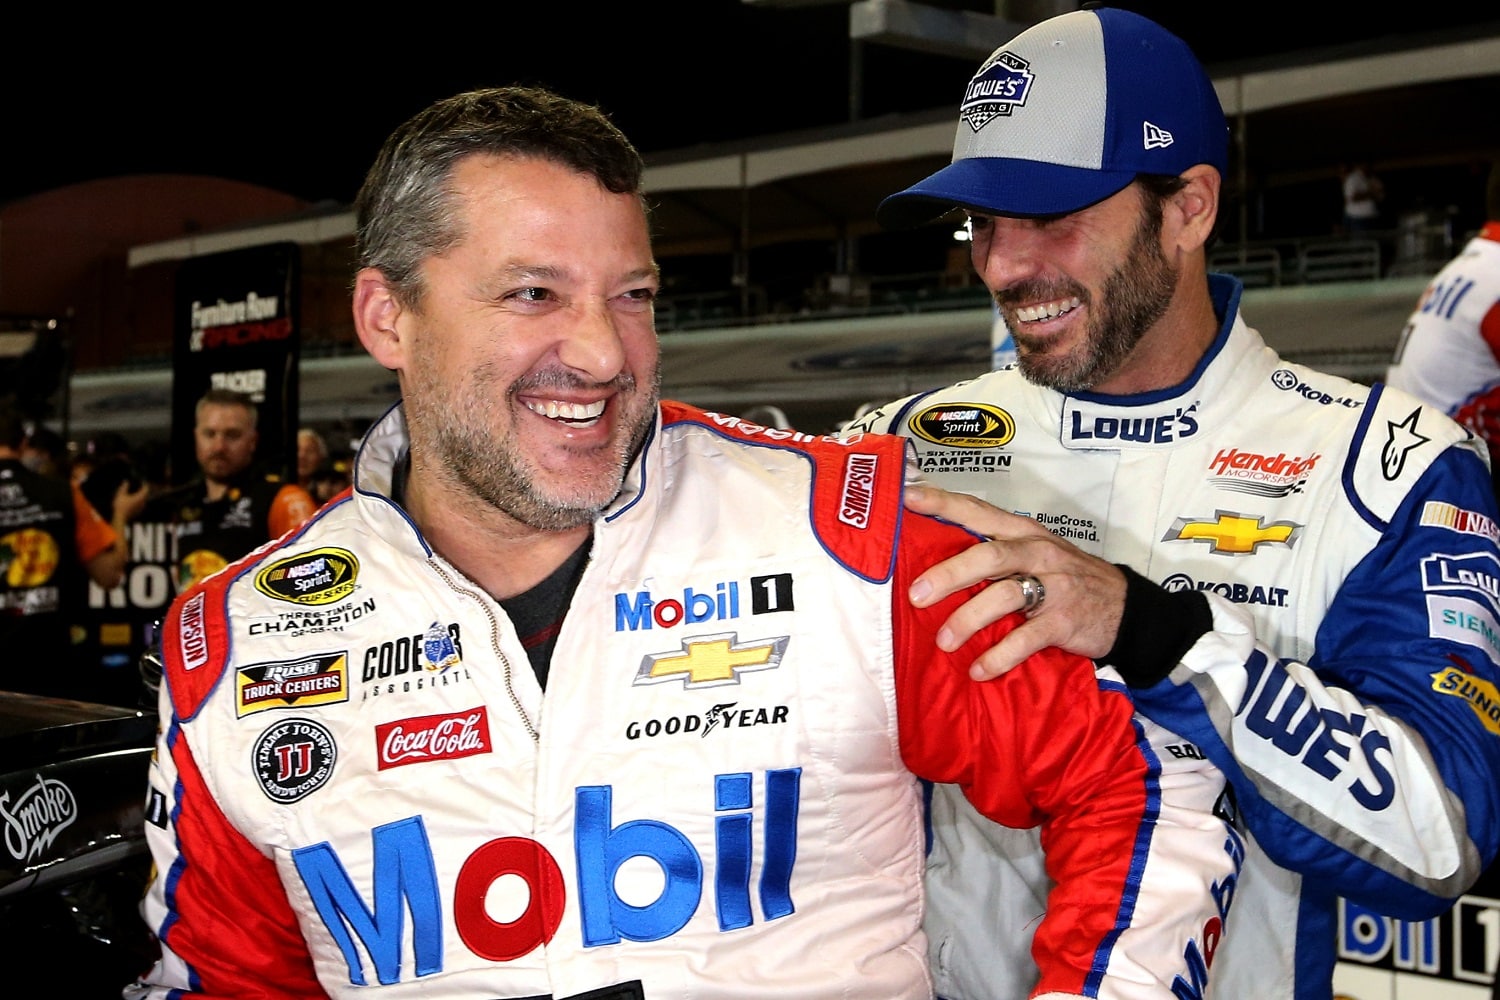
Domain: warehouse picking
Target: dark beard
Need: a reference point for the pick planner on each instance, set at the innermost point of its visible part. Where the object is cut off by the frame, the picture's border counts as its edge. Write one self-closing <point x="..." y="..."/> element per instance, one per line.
<point x="1134" y="297"/>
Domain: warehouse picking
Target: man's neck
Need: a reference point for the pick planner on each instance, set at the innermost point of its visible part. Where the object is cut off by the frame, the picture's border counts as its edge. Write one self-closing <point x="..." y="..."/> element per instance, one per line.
<point x="496" y="551"/>
<point x="1172" y="348"/>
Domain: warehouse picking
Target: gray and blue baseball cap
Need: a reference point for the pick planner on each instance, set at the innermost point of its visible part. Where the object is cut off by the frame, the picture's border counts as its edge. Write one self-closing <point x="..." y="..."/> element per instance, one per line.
<point x="1066" y="114"/>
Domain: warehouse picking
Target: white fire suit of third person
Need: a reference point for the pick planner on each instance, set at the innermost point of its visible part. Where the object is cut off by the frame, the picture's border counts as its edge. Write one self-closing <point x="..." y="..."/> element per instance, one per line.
<point x="1357" y="528"/>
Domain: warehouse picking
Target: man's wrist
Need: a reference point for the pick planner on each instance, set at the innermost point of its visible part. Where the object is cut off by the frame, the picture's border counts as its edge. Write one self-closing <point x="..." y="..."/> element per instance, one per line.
<point x="1157" y="627"/>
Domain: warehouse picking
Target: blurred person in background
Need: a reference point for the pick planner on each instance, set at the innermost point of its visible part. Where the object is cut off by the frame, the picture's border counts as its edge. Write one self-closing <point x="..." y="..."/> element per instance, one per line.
<point x="52" y="542"/>
<point x="46" y="452"/>
<point x="232" y="506"/>
<point x="1364" y="199"/>
<point x="1162" y="461"/>
<point x="1449" y="352"/>
<point x="312" y="455"/>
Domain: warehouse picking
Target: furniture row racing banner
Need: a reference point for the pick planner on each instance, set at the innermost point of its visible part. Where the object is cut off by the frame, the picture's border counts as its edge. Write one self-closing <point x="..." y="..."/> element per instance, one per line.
<point x="236" y="326"/>
<point x="1451" y="957"/>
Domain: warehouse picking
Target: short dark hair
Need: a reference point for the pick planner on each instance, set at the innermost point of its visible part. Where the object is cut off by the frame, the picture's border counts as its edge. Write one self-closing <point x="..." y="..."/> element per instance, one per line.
<point x="404" y="211"/>
<point x="227" y="397"/>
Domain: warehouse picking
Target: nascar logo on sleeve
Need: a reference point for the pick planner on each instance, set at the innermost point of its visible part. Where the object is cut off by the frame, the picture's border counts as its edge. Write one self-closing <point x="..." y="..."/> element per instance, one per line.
<point x="321" y="576"/>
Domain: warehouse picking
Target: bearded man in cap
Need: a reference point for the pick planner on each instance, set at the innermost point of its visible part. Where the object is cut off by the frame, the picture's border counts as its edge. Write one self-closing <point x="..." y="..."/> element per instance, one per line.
<point x="1159" y="457"/>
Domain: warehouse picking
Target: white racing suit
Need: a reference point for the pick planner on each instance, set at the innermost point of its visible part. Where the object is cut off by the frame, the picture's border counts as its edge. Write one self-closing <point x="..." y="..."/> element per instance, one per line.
<point x="1357" y="529"/>
<point x="361" y="789"/>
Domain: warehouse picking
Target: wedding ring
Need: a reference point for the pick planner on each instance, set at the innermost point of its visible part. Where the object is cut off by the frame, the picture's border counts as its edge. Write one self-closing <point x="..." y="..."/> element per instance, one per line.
<point x="1032" y="592"/>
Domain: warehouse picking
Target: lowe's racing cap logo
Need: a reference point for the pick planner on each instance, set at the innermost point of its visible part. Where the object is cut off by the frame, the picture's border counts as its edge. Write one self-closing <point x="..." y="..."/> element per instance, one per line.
<point x="321" y="576"/>
<point x="1000" y="86"/>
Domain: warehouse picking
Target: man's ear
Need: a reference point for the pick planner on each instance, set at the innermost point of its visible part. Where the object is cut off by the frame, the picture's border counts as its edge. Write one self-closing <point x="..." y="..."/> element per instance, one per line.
<point x="377" y="310"/>
<point x="1196" y="206"/>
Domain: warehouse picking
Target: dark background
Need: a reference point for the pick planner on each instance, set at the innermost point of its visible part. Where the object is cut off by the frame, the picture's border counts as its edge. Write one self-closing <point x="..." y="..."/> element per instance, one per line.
<point x="299" y="101"/>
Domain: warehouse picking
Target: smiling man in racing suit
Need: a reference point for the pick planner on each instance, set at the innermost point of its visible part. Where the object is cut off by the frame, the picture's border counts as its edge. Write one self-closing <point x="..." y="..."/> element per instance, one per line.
<point x="1154" y="448"/>
<point x="371" y="782"/>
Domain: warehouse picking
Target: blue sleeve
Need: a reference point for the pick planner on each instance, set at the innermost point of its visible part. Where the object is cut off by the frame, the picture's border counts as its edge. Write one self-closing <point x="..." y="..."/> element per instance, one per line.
<point x="1375" y="767"/>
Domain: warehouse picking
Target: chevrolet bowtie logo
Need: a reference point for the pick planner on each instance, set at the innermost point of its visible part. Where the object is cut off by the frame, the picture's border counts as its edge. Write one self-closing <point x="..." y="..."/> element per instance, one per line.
<point x="1230" y="534"/>
<point x="711" y="660"/>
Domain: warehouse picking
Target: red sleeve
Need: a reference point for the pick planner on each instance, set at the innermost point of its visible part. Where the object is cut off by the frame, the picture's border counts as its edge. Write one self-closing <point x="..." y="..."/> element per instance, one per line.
<point x="1045" y="743"/>
<point x="230" y="919"/>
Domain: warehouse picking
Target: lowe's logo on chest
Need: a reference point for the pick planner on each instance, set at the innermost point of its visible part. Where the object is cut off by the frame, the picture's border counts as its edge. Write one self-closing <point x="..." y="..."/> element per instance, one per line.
<point x="647" y="609"/>
<point x="1093" y="427"/>
<point x="611" y="906"/>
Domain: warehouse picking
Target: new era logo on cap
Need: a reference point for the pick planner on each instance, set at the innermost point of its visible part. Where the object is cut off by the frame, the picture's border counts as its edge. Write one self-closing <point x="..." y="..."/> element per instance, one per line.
<point x="1156" y="137"/>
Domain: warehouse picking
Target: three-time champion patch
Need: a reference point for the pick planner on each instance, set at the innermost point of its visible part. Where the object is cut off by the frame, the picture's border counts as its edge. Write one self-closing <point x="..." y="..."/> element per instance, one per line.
<point x="293" y="759"/>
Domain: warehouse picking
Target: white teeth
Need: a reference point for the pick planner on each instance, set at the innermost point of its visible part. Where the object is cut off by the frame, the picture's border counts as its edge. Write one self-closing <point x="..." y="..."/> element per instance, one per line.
<point x="556" y="410"/>
<point x="1049" y="310"/>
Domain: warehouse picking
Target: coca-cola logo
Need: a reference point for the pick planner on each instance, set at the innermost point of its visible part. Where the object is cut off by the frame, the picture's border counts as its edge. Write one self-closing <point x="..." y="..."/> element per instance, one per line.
<point x="433" y="737"/>
<point x="36" y="816"/>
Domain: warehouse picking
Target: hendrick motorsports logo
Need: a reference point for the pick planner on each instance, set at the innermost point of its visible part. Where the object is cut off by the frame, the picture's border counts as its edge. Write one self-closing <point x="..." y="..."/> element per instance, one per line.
<point x="322" y="576"/>
<point x="965" y="425"/>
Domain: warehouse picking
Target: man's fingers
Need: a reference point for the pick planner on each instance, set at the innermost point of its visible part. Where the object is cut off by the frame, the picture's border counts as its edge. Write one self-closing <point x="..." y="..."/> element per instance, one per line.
<point x="975" y="564"/>
<point x="961" y="509"/>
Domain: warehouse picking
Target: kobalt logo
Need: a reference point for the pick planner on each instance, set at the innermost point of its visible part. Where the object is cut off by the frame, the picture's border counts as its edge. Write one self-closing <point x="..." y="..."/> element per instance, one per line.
<point x="1239" y="593"/>
<point x="1287" y="381"/>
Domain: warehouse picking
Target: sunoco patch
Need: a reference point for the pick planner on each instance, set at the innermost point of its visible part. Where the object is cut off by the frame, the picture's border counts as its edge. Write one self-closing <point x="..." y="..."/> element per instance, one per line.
<point x="321" y="576"/>
<point x="293" y="759"/>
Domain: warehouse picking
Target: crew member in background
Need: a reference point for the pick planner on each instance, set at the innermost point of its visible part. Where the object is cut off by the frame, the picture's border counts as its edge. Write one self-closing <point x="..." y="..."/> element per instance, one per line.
<point x="1449" y="354"/>
<point x="1173" y="455"/>
<point x="312" y="455"/>
<point x="232" y="507"/>
<point x="52" y="542"/>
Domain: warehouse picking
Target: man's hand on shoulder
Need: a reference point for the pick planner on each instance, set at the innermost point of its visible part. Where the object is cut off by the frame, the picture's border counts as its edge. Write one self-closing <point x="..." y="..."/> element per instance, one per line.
<point x="1084" y="595"/>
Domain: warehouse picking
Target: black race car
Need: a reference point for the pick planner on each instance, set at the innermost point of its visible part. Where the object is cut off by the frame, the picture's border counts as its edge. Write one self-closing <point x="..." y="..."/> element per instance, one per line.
<point x="74" y="861"/>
